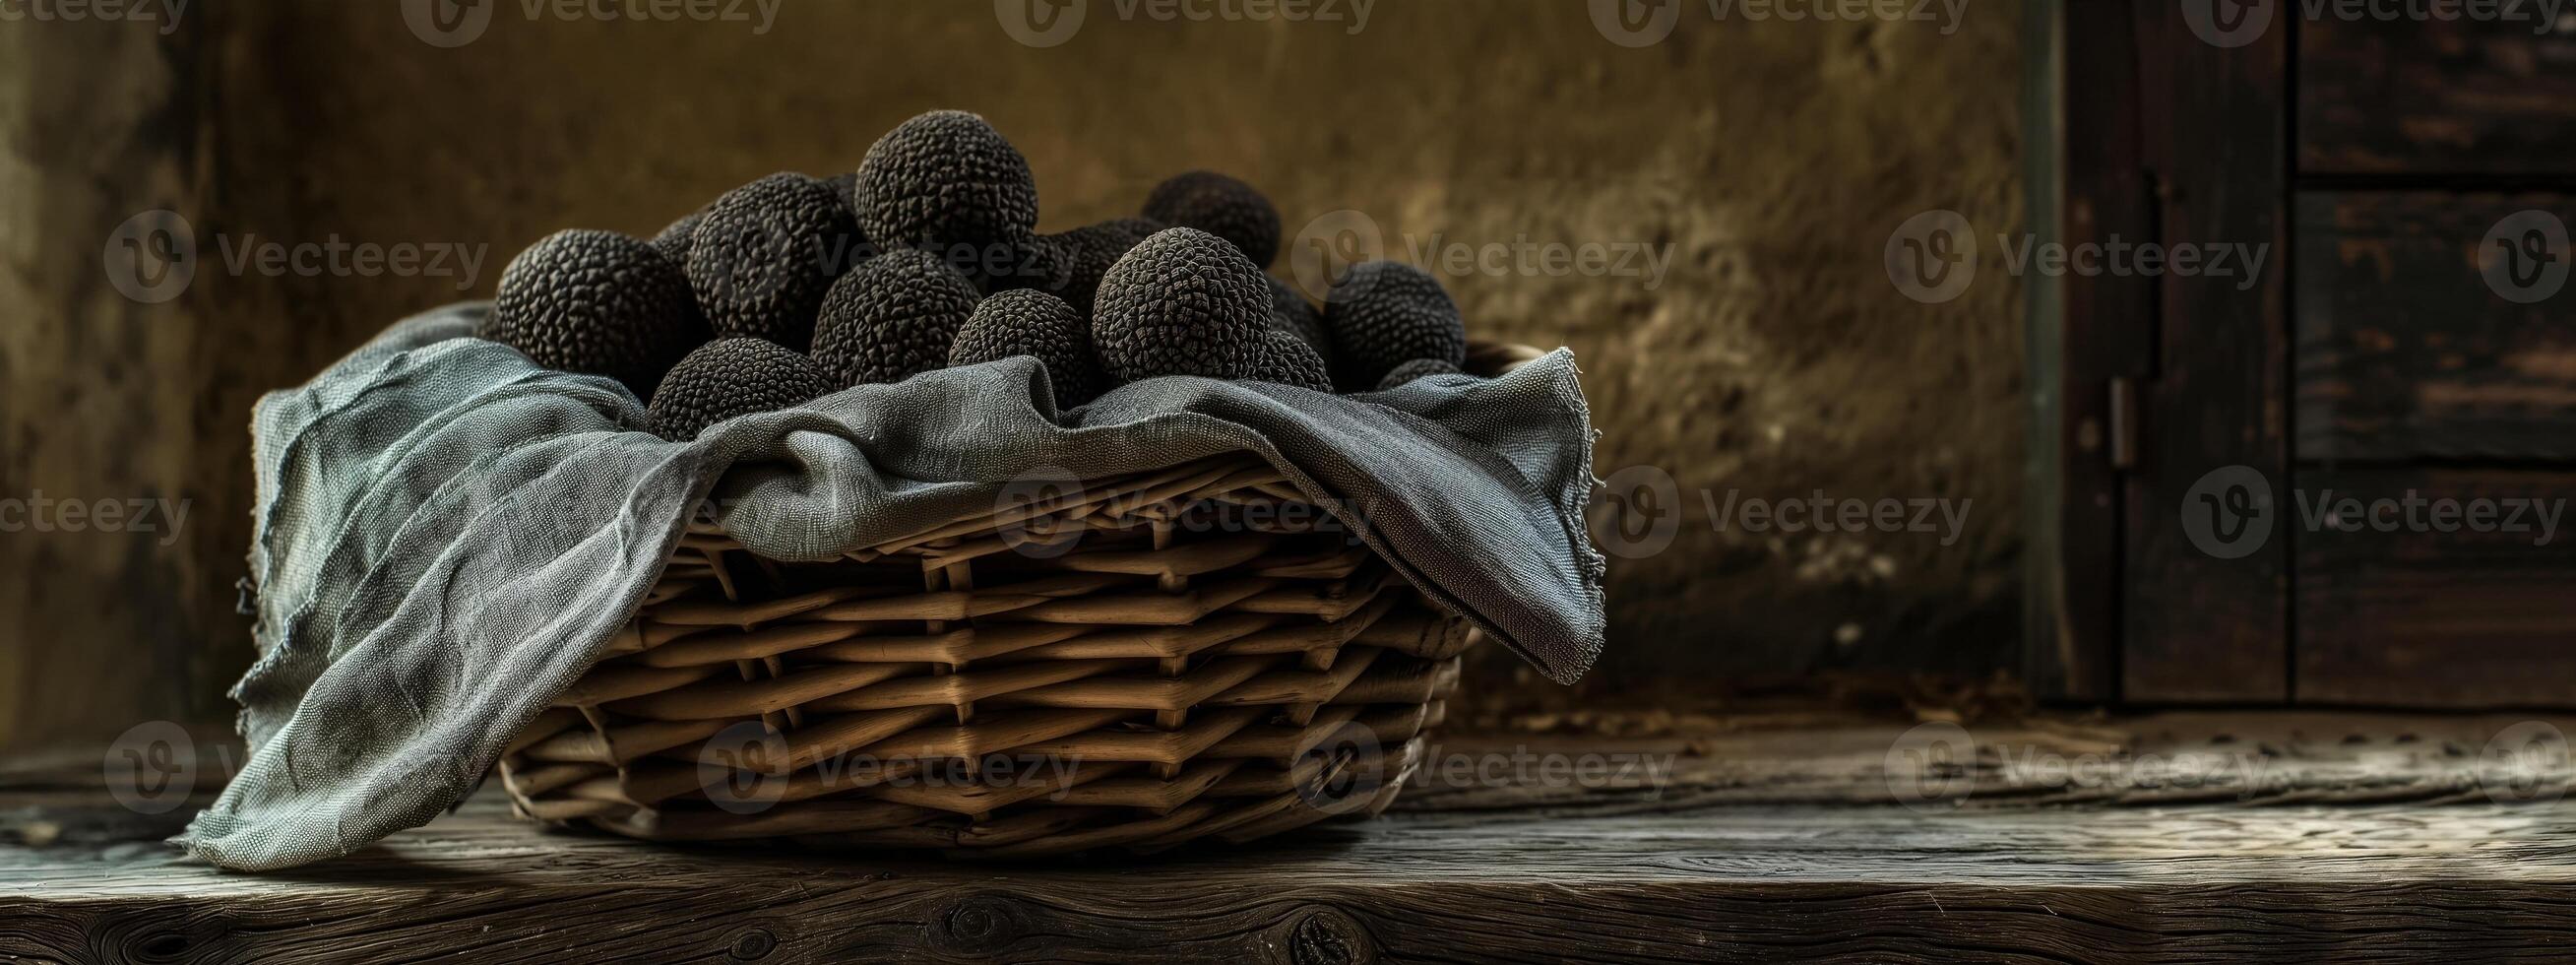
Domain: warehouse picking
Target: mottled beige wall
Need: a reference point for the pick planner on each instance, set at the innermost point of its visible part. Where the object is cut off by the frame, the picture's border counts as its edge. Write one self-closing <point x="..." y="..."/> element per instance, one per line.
<point x="1767" y="160"/>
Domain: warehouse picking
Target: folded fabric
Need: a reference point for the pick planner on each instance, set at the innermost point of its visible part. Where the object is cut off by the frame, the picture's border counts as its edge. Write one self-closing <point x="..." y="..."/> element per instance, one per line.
<point x="446" y="535"/>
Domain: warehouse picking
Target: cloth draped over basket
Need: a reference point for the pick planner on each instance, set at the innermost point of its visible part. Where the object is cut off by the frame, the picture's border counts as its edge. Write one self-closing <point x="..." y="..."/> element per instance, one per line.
<point x="447" y="535"/>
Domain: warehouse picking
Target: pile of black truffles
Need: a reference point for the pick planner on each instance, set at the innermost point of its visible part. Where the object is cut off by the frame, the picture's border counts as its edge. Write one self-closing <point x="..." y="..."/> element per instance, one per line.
<point x="928" y="257"/>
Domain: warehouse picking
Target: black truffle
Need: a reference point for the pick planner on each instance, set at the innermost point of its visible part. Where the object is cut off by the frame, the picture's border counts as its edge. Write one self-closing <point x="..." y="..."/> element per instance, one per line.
<point x="1415" y="369"/>
<point x="764" y="255"/>
<point x="729" y="378"/>
<point x="892" y="318"/>
<point x="1075" y="261"/>
<point x="1221" y="206"/>
<point x="1033" y="323"/>
<point x="674" y="241"/>
<point x="596" y="302"/>
<point x="1184" y="302"/>
<point x="945" y="178"/>
<point x="1290" y="310"/>
<point x="1383" y="314"/>
<point x="1288" y="360"/>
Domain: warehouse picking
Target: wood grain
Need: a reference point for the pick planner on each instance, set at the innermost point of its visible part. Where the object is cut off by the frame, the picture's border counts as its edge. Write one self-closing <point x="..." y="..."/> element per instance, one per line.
<point x="2410" y="96"/>
<point x="1750" y="885"/>
<point x="2406" y="352"/>
<point x="2420" y="617"/>
<point x="1511" y="869"/>
<point x="2200" y="628"/>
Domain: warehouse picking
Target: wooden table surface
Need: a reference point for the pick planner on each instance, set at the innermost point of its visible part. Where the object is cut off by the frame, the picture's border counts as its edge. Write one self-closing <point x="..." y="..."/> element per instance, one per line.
<point x="2362" y="838"/>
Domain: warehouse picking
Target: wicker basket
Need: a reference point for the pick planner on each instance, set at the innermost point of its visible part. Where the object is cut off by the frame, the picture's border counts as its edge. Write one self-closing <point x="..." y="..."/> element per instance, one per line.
<point x="1190" y="654"/>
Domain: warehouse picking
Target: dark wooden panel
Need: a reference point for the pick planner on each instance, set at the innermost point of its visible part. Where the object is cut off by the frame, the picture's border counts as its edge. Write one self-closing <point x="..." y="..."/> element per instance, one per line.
<point x="2406" y="350"/>
<point x="2403" y="96"/>
<point x="2089" y="185"/>
<point x="2203" y="628"/>
<point x="2285" y="883"/>
<point x="2419" y="617"/>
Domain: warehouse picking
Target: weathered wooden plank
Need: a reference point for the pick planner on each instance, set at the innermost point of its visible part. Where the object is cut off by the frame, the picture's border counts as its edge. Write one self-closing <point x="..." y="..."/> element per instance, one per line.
<point x="2407" y="350"/>
<point x="2409" y="615"/>
<point x="1741" y="885"/>
<point x="2204" y="628"/>
<point x="1509" y="864"/>
<point x="2417" y="96"/>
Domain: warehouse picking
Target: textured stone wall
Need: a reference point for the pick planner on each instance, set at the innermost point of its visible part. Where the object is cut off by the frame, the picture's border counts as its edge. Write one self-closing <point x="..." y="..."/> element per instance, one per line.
<point x="1761" y="163"/>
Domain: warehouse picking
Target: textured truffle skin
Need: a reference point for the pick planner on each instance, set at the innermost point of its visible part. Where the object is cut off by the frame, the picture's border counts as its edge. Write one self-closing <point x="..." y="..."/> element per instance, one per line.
<point x="1221" y="206"/>
<point x="1290" y="310"/>
<point x="893" y="317"/>
<point x="945" y="178"/>
<point x="1075" y="261"/>
<point x="1383" y="314"/>
<point x="1184" y="302"/>
<point x="1415" y="369"/>
<point x="674" y="241"/>
<point x="1027" y="322"/>
<point x="764" y="255"/>
<point x="596" y="302"/>
<point x="1288" y="360"/>
<point x="729" y="378"/>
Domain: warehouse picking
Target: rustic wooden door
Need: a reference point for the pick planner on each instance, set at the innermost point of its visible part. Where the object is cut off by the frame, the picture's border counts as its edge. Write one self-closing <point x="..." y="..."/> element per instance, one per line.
<point x="2338" y="476"/>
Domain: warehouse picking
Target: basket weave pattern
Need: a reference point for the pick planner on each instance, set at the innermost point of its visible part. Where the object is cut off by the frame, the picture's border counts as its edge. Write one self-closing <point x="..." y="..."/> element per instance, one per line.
<point x="1194" y="653"/>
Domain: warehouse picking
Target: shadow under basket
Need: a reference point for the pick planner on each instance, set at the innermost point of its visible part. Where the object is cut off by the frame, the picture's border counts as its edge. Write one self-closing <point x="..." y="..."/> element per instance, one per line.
<point x="1140" y="662"/>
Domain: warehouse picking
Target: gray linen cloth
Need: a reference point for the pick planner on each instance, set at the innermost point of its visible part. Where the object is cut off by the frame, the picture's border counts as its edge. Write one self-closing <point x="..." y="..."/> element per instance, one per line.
<point x="447" y="534"/>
